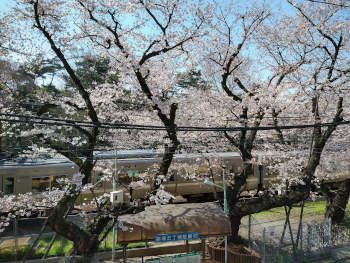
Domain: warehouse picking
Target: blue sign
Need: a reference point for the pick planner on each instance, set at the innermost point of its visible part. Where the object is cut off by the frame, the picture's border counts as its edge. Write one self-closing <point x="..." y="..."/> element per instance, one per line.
<point x="176" y="237"/>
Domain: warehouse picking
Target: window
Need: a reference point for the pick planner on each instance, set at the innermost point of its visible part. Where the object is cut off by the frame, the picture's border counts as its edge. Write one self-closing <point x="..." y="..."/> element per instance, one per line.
<point x="172" y="175"/>
<point x="99" y="179"/>
<point x="9" y="185"/>
<point x="136" y="173"/>
<point x="40" y="184"/>
<point x="130" y="172"/>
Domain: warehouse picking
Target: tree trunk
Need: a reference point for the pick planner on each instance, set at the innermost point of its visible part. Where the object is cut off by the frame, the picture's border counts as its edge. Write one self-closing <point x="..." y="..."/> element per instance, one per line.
<point x="85" y="242"/>
<point x="235" y="221"/>
<point x="87" y="246"/>
<point x="233" y="193"/>
<point x="86" y="169"/>
<point x="1" y="139"/>
<point x="337" y="201"/>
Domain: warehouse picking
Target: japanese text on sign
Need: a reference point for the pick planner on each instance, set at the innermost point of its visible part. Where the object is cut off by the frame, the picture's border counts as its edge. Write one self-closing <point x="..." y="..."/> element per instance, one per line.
<point x="176" y="237"/>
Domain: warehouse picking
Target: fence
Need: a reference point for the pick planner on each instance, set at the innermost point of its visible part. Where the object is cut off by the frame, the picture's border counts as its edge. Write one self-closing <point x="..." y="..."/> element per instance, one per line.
<point x="280" y="242"/>
<point x="274" y="240"/>
<point x="17" y="239"/>
<point x="20" y="235"/>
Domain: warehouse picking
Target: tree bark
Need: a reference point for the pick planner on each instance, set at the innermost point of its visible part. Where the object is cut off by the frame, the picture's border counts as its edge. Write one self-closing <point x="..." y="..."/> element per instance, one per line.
<point x="268" y="201"/>
<point x="1" y="139"/>
<point x="85" y="243"/>
<point x="337" y="201"/>
<point x="235" y="221"/>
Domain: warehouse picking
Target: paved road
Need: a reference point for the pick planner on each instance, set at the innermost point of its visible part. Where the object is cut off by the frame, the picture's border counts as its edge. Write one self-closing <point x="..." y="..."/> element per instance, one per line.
<point x="341" y="255"/>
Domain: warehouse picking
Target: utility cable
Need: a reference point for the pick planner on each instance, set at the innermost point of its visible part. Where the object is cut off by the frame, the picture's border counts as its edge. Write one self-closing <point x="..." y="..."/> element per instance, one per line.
<point x="72" y="123"/>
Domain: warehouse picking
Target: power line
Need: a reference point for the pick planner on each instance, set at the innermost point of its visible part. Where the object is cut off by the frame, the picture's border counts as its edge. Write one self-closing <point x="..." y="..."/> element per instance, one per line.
<point x="66" y="122"/>
<point x="327" y="3"/>
<point x="252" y="116"/>
<point x="105" y="125"/>
<point x="210" y="140"/>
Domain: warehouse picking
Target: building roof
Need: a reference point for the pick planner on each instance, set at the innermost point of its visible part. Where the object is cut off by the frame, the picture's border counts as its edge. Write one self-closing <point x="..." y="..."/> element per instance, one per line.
<point x="208" y="219"/>
<point x="27" y="162"/>
<point x="126" y="154"/>
<point x="123" y="157"/>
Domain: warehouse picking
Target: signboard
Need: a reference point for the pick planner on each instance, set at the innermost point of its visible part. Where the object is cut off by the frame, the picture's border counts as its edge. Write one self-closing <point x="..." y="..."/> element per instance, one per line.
<point x="176" y="237"/>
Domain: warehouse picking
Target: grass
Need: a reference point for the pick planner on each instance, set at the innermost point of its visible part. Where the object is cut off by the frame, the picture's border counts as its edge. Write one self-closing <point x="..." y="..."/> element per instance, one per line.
<point x="107" y="244"/>
<point x="60" y="247"/>
<point x="311" y="209"/>
<point x="8" y="254"/>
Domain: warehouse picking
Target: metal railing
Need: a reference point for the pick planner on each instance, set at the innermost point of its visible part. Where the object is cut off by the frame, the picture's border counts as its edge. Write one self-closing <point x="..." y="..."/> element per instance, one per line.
<point x="307" y="240"/>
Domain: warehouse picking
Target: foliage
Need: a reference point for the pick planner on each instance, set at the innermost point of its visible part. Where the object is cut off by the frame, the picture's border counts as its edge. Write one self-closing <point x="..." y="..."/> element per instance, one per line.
<point x="186" y="63"/>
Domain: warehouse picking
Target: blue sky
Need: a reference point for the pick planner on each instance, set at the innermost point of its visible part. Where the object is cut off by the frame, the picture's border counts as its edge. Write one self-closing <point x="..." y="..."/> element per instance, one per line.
<point x="275" y="4"/>
<point x="4" y="4"/>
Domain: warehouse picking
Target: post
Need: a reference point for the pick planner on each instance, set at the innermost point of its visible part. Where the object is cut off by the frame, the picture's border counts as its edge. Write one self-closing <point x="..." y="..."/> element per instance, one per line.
<point x="264" y="246"/>
<point x="15" y="232"/>
<point x="203" y="248"/>
<point x="291" y="233"/>
<point x="301" y="236"/>
<point x="301" y="242"/>
<point x="308" y="238"/>
<point x="329" y="232"/>
<point x="249" y="228"/>
<point x="261" y="175"/>
<point x="124" y="252"/>
<point x="114" y="189"/>
<point x="225" y="208"/>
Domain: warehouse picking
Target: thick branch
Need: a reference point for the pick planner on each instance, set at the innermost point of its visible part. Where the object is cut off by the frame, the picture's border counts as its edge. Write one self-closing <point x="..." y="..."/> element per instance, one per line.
<point x="258" y="118"/>
<point x="155" y="53"/>
<point x="320" y="142"/>
<point x="226" y="88"/>
<point x="258" y="204"/>
<point x="243" y="133"/>
<point x="337" y="118"/>
<point x="113" y="31"/>
<point x="313" y="24"/>
<point x="63" y="150"/>
<point x="275" y="122"/>
<point x="242" y="87"/>
<point x="334" y="58"/>
<point x="45" y="108"/>
<point x="64" y="227"/>
<point x="84" y="94"/>
<point x="231" y="139"/>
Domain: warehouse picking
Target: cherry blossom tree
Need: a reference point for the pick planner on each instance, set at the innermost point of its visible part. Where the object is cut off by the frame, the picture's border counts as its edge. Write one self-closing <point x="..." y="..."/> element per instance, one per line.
<point x="148" y="44"/>
<point x="146" y="59"/>
<point x="321" y="84"/>
<point x="307" y="74"/>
